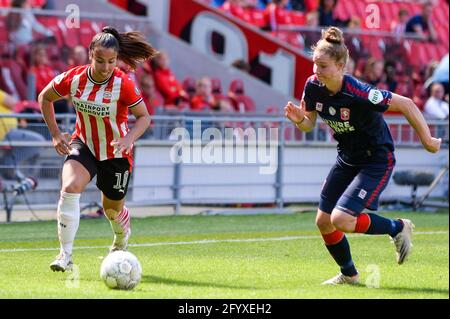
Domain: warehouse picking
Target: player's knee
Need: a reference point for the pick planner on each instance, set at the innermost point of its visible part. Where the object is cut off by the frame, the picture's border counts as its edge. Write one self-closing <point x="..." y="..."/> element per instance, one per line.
<point x="340" y="223"/>
<point x="323" y="222"/>
<point x="73" y="187"/>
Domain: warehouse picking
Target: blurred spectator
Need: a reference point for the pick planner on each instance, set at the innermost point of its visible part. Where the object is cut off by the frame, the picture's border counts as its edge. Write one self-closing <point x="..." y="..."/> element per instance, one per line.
<point x="429" y="69"/>
<point x="44" y="74"/>
<point x="391" y="76"/>
<point x="79" y="56"/>
<point x="11" y="75"/>
<point x="355" y="46"/>
<point x="326" y="14"/>
<point x="398" y="26"/>
<point x="204" y="99"/>
<point x="350" y="66"/>
<point x="311" y="37"/>
<point x="275" y="15"/>
<point x="166" y="82"/>
<point x="10" y="131"/>
<point x="435" y="107"/>
<point x="40" y="68"/>
<point x="21" y="25"/>
<point x="422" y="25"/>
<point x="152" y="98"/>
<point x="405" y="86"/>
<point x="373" y="71"/>
<point x="298" y="5"/>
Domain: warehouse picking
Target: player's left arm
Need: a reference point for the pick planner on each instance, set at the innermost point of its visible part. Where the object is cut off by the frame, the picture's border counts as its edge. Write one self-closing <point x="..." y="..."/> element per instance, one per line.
<point x="415" y="118"/>
<point x="140" y="126"/>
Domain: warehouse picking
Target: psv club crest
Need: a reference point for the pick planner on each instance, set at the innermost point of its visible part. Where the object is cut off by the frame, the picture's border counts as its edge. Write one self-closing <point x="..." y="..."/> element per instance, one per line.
<point x="345" y="114"/>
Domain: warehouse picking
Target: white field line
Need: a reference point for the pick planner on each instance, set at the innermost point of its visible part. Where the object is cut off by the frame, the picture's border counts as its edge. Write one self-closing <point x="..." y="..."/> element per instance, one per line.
<point x="197" y="242"/>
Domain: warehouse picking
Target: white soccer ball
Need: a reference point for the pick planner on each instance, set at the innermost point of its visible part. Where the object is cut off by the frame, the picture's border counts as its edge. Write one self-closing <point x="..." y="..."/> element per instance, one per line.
<point x="121" y="270"/>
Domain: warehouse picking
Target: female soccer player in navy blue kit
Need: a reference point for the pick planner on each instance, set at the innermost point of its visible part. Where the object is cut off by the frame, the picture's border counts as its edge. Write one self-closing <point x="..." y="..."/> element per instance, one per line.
<point x="365" y="152"/>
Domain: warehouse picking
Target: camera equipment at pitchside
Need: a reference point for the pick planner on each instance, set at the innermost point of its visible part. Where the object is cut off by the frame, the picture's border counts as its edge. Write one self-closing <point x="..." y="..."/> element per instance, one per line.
<point x="20" y="188"/>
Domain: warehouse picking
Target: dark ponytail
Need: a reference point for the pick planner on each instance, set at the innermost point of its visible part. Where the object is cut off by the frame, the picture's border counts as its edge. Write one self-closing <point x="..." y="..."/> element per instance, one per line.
<point x="132" y="47"/>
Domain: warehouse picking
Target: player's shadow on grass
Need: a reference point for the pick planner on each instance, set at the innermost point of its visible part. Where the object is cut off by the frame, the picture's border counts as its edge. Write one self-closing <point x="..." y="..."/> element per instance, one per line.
<point x="168" y="281"/>
<point x="412" y="289"/>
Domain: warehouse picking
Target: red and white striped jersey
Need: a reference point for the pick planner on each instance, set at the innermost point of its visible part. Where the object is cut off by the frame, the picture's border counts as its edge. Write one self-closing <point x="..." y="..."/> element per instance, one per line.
<point x="101" y="108"/>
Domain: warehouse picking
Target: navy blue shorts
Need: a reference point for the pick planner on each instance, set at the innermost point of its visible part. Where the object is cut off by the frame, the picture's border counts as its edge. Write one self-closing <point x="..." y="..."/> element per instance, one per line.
<point x="353" y="187"/>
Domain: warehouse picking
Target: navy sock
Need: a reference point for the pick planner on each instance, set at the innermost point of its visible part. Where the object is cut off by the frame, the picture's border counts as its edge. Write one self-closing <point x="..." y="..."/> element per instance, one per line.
<point x="341" y="254"/>
<point x="381" y="225"/>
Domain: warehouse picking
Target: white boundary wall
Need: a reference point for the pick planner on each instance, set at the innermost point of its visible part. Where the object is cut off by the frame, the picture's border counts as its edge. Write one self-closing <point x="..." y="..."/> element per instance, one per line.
<point x="303" y="172"/>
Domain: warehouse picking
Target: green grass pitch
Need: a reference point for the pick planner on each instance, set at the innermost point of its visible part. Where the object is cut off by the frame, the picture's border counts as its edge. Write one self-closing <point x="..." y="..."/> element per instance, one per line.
<point x="226" y="257"/>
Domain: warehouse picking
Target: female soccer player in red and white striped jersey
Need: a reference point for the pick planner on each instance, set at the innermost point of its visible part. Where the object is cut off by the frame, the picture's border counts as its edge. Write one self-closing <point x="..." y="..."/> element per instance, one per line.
<point x="102" y="143"/>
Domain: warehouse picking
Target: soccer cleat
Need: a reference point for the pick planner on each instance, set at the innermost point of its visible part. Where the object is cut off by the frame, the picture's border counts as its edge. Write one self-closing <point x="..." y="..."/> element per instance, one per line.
<point x="341" y="279"/>
<point x="62" y="262"/>
<point x="120" y="242"/>
<point x="402" y="241"/>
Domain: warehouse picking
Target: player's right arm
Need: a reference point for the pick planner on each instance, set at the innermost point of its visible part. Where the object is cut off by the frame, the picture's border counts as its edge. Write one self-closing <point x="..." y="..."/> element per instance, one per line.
<point x="304" y="120"/>
<point x="46" y="99"/>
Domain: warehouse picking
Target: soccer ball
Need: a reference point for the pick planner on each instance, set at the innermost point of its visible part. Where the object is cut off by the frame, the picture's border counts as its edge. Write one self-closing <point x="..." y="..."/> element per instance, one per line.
<point x="121" y="270"/>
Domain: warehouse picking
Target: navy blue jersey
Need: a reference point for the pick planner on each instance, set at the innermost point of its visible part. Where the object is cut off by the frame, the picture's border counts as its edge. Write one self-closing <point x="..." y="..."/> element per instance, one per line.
<point x="354" y="114"/>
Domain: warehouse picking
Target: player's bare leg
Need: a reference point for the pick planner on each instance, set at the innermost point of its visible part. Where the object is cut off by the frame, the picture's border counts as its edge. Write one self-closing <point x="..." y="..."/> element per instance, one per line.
<point x="119" y="218"/>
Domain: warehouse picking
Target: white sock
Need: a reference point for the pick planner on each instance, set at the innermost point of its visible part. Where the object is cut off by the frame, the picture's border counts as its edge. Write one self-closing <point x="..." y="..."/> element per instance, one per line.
<point x="68" y="220"/>
<point x="121" y="224"/>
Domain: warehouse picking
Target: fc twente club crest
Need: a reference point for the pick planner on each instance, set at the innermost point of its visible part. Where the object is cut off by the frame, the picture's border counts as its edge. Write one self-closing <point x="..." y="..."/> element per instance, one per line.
<point x="345" y="114"/>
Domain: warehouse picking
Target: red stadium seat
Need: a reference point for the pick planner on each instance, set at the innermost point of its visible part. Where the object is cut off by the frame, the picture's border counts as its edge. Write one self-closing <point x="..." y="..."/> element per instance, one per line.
<point x="88" y="29"/>
<point x="53" y="24"/>
<point x="189" y="85"/>
<point x="298" y="18"/>
<point x="241" y="102"/>
<point x="4" y="33"/>
<point x="258" y="18"/>
<point x="237" y="87"/>
<point x="216" y="86"/>
<point x="244" y="104"/>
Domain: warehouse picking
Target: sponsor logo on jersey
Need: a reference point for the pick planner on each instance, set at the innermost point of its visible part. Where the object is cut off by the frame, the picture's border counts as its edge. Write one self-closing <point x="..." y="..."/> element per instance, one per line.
<point x="345" y="114"/>
<point x="332" y="110"/>
<point x="362" y="193"/>
<point x="375" y="96"/>
<point x="340" y="127"/>
<point x="91" y="108"/>
<point x="319" y="106"/>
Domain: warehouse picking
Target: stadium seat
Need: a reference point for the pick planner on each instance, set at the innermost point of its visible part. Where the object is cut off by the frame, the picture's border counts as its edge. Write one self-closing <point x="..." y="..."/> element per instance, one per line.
<point x="11" y="72"/>
<point x="414" y="179"/>
<point x="241" y="102"/>
<point x="257" y="17"/>
<point x="189" y="85"/>
<point x="4" y="32"/>
<point x="88" y="29"/>
<point x="298" y="18"/>
<point x="55" y="59"/>
<point x="53" y="24"/>
<point x="216" y="86"/>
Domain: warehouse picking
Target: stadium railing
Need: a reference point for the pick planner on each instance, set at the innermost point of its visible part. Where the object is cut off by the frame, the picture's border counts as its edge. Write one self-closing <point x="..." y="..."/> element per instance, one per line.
<point x="161" y="181"/>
